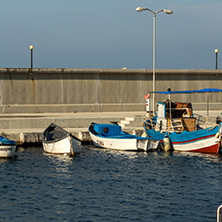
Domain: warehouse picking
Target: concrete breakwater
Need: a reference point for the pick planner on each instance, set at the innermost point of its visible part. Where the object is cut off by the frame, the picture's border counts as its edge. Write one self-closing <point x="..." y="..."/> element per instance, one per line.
<point x="100" y="90"/>
<point x="27" y="129"/>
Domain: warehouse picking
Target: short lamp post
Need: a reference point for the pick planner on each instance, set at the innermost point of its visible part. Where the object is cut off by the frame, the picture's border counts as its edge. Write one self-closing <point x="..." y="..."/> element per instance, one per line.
<point x="216" y="51"/>
<point x="31" y="48"/>
<point x="169" y="12"/>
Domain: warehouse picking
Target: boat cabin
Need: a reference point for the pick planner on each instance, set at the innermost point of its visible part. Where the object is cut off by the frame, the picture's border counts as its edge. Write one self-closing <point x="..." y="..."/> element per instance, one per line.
<point x="175" y="116"/>
<point x="170" y="109"/>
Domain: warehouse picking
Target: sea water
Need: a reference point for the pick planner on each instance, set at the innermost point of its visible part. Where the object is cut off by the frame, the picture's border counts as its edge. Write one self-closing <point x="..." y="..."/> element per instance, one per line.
<point x="108" y="185"/>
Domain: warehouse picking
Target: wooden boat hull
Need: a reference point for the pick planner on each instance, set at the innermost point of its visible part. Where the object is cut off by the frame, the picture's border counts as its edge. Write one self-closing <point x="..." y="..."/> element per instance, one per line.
<point x="7" y="151"/>
<point x="67" y="146"/>
<point x="203" y="140"/>
<point x="208" y="145"/>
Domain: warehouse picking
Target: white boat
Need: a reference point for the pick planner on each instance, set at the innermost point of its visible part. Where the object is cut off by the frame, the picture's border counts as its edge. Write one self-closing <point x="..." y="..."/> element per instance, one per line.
<point x="56" y="140"/>
<point x="7" y="148"/>
<point x="111" y="136"/>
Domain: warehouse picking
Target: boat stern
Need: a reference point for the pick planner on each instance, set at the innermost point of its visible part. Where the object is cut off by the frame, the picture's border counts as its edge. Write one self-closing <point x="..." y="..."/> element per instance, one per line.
<point x="147" y="144"/>
<point x="7" y="151"/>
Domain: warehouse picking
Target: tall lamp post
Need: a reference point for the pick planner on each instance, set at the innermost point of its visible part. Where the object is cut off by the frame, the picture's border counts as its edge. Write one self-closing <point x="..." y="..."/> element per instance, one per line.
<point x="216" y="51"/>
<point x="31" y="48"/>
<point x="169" y="12"/>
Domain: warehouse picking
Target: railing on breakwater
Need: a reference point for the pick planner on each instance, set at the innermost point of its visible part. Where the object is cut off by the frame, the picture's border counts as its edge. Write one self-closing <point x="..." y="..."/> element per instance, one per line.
<point x="219" y="213"/>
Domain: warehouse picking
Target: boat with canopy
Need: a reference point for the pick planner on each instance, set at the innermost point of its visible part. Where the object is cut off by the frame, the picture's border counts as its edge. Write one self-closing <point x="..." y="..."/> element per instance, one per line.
<point x="175" y="126"/>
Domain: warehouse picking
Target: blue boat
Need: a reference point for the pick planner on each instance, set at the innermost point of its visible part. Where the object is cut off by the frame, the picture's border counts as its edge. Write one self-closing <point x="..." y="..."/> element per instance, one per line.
<point x="175" y="126"/>
<point x="111" y="136"/>
<point x="7" y="148"/>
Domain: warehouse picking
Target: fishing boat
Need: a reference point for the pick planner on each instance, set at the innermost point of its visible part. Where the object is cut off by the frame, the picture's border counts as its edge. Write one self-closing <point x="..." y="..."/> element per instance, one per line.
<point x="7" y="148"/>
<point x="56" y="140"/>
<point x="175" y="126"/>
<point x="111" y="136"/>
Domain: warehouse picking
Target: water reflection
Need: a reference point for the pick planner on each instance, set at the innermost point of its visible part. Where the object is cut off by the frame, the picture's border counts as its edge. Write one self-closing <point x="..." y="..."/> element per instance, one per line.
<point x="7" y="160"/>
<point x="133" y="154"/>
<point x="118" y="153"/>
<point x="205" y="156"/>
<point x="61" y="163"/>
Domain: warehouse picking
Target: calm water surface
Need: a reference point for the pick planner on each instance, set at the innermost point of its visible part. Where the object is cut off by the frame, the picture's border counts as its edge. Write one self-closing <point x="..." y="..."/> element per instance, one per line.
<point x="104" y="185"/>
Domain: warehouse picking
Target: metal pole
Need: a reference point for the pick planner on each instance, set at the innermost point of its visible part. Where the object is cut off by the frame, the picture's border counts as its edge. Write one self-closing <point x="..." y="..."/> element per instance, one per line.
<point x="154" y="58"/>
<point x="216" y="51"/>
<point x="31" y="59"/>
<point x="169" y="12"/>
<point x="31" y="48"/>
<point x="216" y="60"/>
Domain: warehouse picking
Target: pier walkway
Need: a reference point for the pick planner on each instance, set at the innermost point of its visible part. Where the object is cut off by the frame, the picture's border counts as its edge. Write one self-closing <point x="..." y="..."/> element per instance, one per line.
<point x="27" y="128"/>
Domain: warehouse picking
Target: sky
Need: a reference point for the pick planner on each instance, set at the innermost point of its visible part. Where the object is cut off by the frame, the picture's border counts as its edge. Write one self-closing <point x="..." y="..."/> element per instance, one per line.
<point x="110" y="34"/>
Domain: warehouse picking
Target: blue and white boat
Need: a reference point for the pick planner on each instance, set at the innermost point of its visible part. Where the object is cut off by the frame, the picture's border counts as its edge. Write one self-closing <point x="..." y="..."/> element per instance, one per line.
<point x="7" y="148"/>
<point x="111" y="136"/>
<point x="175" y="126"/>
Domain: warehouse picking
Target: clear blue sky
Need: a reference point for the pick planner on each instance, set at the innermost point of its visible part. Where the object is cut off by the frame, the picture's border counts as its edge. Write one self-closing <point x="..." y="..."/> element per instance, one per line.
<point x="110" y="34"/>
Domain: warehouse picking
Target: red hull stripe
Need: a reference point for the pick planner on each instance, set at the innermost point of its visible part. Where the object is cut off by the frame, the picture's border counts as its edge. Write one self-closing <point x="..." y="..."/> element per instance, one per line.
<point x="189" y="141"/>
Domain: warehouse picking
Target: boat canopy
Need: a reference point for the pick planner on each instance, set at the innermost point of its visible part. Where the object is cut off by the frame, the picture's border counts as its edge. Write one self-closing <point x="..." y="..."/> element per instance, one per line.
<point x="5" y="141"/>
<point x="206" y="90"/>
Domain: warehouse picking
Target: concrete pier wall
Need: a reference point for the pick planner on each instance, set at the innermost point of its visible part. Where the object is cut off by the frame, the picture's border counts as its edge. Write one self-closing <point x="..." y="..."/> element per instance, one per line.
<point x="94" y="90"/>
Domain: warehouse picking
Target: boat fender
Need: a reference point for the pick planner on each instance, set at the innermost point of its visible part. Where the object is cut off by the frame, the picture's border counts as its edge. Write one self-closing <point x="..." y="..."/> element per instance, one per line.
<point x="144" y="134"/>
<point x="217" y="135"/>
<point x="166" y="143"/>
<point x="220" y="130"/>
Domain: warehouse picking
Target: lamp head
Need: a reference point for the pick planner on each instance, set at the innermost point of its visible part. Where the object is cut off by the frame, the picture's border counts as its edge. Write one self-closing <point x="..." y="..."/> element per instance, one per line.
<point x="140" y="9"/>
<point x="31" y="47"/>
<point x="167" y="11"/>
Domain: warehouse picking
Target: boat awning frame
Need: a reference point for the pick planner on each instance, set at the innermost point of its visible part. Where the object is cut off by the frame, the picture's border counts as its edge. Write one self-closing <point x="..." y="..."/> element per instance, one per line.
<point x="206" y="90"/>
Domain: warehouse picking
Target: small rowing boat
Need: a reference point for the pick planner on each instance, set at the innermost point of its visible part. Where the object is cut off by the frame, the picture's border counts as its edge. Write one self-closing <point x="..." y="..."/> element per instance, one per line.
<point x="56" y="140"/>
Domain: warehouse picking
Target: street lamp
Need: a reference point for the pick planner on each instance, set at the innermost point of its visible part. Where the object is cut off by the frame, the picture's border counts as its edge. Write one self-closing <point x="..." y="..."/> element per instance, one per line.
<point x="169" y="12"/>
<point x="216" y="51"/>
<point x="31" y="48"/>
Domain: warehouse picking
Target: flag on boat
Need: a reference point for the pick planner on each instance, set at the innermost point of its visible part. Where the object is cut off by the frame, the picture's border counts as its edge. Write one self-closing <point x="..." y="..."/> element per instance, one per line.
<point x="147" y="96"/>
